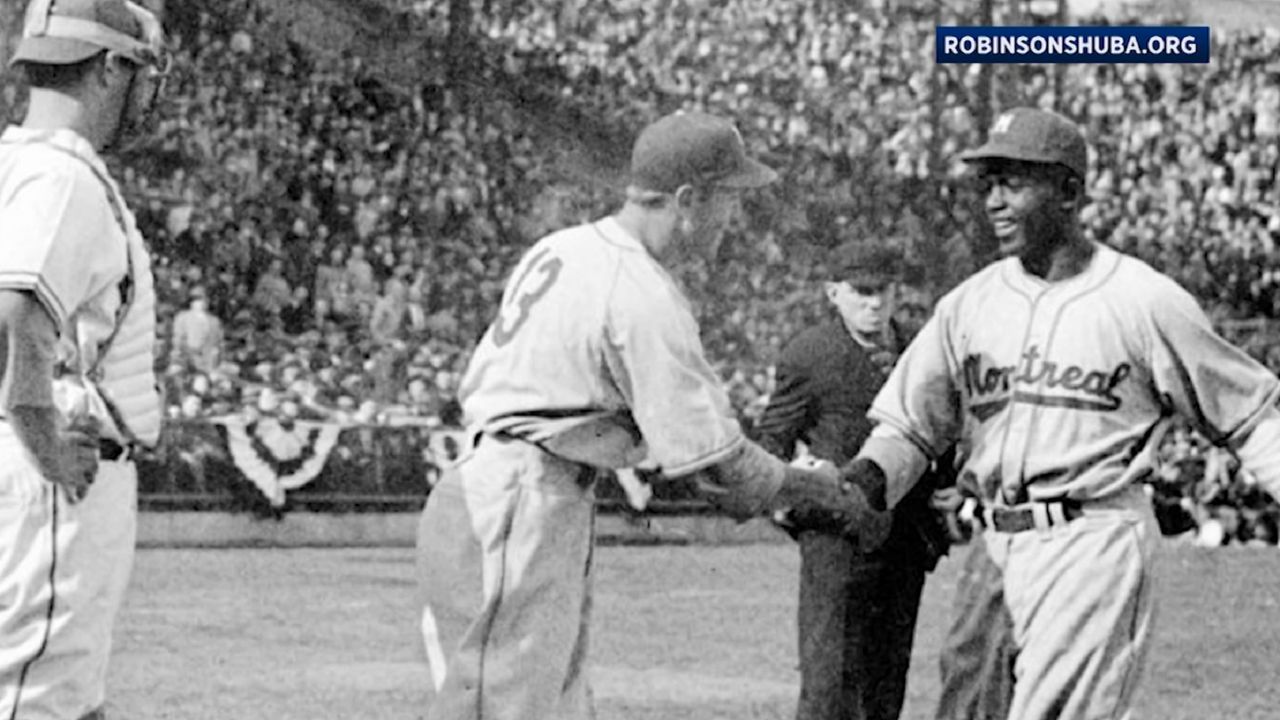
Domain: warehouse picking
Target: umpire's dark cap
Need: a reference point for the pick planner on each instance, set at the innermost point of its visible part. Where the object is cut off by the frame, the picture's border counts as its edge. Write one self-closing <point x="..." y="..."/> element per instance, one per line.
<point x="1034" y="135"/>
<point x="865" y="263"/>
<point x="64" y="32"/>
<point x="693" y="148"/>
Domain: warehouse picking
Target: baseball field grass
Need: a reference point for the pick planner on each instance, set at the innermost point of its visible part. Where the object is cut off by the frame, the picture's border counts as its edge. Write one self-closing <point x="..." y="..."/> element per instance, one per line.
<point x="680" y="633"/>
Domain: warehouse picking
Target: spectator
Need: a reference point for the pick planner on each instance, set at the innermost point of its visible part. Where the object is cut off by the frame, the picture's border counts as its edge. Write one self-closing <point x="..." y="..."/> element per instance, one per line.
<point x="296" y="315"/>
<point x="360" y="276"/>
<point x="386" y="323"/>
<point x="272" y="292"/>
<point x="197" y="335"/>
<point x="329" y="274"/>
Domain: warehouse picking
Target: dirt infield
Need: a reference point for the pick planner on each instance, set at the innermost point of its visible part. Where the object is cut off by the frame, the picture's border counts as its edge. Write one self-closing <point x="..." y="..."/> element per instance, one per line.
<point x="681" y="633"/>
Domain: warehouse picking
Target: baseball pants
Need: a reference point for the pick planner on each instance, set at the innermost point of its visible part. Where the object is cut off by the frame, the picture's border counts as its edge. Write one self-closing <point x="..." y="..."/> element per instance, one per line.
<point x="857" y="618"/>
<point x="978" y="653"/>
<point x="504" y="560"/>
<point x="1081" y="603"/>
<point x="63" y="573"/>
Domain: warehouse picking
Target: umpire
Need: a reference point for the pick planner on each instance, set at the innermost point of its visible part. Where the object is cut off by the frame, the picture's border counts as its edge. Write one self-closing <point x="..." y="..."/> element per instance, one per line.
<point x="857" y="612"/>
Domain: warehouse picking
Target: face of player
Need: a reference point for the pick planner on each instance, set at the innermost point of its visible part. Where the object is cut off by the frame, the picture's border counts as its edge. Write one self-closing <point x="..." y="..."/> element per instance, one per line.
<point x="1027" y="206"/>
<point x="132" y="99"/>
<point x="705" y="215"/>
<point x="861" y="305"/>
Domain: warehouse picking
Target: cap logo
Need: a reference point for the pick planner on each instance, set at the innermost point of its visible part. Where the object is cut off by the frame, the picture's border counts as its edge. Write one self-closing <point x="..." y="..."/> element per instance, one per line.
<point x="1003" y="123"/>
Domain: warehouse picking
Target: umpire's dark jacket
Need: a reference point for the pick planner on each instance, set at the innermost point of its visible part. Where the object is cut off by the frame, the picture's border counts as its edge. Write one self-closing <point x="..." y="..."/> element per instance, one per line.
<point x="826" y="382"/>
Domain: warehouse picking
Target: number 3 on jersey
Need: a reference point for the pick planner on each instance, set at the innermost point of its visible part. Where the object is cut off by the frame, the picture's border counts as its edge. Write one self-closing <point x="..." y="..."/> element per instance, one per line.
<point x="524" y="294"/>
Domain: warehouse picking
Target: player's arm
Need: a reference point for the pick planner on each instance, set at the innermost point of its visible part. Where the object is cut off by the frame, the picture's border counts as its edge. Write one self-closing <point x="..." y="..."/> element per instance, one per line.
<point x="57" y="212"/>
<point x="1259" y="453"/>
<point x="790" y="413"/>
<point x="917" y="415"/>
<point x="27" y="351"/>
<point x="683" y="412"/>
<point x="1226" y="394"/>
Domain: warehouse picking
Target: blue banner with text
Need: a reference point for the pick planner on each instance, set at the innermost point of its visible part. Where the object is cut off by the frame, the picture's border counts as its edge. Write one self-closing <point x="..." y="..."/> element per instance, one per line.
<point x="1064" y="44"/>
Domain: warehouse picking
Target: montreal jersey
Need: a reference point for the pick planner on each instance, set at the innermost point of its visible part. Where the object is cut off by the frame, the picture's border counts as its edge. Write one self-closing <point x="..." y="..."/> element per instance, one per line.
<point x="1065" y="389"/>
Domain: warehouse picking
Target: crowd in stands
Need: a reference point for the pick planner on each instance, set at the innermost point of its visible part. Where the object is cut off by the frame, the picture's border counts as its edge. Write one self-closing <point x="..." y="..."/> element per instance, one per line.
<point x="330" y="246"/>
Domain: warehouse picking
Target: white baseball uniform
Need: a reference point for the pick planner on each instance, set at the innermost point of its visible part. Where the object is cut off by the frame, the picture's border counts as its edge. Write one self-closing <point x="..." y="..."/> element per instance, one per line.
<point x="69" y="239"/>
<point x="594" y="361"/>
<point x="1062" y="391"/>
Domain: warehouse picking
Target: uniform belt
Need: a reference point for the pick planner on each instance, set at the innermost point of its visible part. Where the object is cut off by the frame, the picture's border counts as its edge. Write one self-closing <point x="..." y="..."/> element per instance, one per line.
<point x="1028" y="516"/>
<point x="111" y="451"/>
<point x="586" y="474"/>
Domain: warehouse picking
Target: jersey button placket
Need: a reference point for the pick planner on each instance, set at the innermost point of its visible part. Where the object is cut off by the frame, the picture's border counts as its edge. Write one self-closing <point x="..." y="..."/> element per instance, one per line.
<point x="1021" y="412"/>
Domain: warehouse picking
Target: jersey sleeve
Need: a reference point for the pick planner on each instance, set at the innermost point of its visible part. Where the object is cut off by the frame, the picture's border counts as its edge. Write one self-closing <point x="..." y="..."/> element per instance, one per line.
<point x="654" y="356"/>
<point x="55" y="221"/>
<point x="920" y="399"/>
<point x="1217" y="386"/>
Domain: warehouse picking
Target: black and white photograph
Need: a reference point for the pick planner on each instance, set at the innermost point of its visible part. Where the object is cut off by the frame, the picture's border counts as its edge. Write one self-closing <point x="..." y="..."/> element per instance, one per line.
<point x="639" y="359"/>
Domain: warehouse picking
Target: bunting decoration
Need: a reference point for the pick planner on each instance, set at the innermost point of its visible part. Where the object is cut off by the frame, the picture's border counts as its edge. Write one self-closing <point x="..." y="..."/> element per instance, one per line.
<point x="278" y="456"/>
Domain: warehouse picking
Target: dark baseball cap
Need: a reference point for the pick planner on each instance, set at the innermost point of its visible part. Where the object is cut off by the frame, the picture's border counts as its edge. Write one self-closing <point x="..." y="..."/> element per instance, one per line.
<point x="64" y="32"/>
<point x="1034" y="135"/>
<point x="865" y="263"/>
<point x="693" y="148"/>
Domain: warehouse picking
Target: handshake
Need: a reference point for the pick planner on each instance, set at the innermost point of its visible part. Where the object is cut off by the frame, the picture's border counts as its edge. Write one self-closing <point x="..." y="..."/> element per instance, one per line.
<point x="845" y="501"/>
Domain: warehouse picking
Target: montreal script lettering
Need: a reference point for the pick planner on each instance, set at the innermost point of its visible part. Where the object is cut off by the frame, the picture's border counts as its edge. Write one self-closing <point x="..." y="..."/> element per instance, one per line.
<point x="1029" y="380"/>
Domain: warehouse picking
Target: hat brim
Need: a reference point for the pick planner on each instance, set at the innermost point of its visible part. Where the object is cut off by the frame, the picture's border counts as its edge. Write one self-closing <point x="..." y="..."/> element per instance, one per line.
<point x="879" y="278"/>
<point x="53" y="51"/>
<point x="1005" y="151"/>
<point x="752" y="175"/>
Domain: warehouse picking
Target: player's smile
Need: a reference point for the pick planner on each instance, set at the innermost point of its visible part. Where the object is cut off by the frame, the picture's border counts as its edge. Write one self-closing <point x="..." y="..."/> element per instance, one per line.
<point x="1005" y="228"/>
<point x="1018" y="204"/>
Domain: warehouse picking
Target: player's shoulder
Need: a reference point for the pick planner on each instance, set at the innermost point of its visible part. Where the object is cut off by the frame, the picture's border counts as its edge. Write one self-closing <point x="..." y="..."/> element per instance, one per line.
<point x="38" y="166"/>
<point x="588" y="247"/>
<point x="1138" y="282"/>
<point x="975" y="288"/>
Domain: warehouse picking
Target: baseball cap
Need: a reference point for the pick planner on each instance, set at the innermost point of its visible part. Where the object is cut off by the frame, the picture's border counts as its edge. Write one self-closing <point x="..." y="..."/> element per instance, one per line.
<point x="1034" y="135"/>
<point x="865" y="264"/>
<point x="64" y="32"/>
<point x="693" y="148"/>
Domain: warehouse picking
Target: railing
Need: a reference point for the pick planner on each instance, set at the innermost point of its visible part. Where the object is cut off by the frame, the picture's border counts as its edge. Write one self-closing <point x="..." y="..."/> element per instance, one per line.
<point x="370" y="468"/>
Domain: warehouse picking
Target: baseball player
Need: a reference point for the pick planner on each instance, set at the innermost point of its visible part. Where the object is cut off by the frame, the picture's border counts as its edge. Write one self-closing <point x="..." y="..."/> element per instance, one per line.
<point x="1057" y="370"/>
<point x="593" y="362"/>
<point x="77" y="331"/>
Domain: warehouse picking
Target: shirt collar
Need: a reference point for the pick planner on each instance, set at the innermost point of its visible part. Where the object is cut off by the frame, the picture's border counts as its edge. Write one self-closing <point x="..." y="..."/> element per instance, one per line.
<point x="613" y="232"/>
<point x="1104" y="258"/>
<point x="62" y="138"/>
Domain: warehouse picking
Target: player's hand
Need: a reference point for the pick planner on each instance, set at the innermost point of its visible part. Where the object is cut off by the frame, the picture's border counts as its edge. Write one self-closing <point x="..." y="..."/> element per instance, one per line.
<point x="947" y="502"/>
<point x="868" y="518"/>
<point x="636" y="486"/>
<point x="79" y="459"/>
<point x="831" y="501"/>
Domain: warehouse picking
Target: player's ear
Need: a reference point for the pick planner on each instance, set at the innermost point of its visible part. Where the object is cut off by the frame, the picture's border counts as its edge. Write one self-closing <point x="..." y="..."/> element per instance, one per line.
<point x="686" y="197"/>
<point x="1072" y="189"/>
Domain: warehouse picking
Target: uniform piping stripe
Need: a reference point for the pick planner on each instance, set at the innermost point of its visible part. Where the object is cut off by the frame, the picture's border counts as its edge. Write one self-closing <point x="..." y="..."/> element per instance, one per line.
<point x="44" y="292"/>
<point x="1088" y="289"/>
<point x="508" y="520"/>
<point x="1131" y="675"/>
<point x="1008" y="421"/>
<point x="48" y="618"/>
<point x="1009" y="282"/>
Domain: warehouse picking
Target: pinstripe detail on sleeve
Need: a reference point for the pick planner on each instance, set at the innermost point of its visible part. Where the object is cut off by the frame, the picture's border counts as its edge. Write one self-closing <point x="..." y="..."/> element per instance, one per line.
<point x="36" y="283"/>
